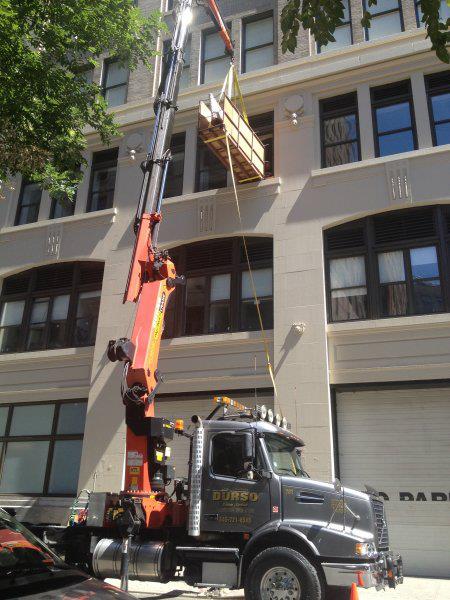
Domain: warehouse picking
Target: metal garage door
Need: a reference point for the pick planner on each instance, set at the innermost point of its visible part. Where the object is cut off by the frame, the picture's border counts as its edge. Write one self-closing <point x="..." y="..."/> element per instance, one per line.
<point x="398" y="441"/>
<point x="183" y="407"/>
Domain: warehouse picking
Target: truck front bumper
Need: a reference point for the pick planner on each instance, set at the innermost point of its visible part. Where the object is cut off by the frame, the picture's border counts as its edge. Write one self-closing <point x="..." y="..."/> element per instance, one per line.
<point x="385" y="571"/>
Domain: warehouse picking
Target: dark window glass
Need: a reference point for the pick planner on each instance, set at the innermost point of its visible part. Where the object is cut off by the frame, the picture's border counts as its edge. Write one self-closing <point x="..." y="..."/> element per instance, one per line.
<point x="348" y="288"/>
<point x="340" y="130"/>
<point x="218" y="296"/>
<point x="103" y="180"/>
<point x="62" y="207"/>
<point x="258" y="51"/>
<point x="88" y="307"/>
<point x="42" y="447"/>
<point x="114" y="82"/>
<point x="211" y="174"/>
<point x="260" y="282"/>
<point x="262" y="125"/>
<point x="438" y="89"/>
<point x="215" y="61"/>
<point x="195" y="305"/>
<point x="342" y="34"/>
<point x="11" y="325"/>
<point x="393" y="119"/>
<point x="58" y="307"/>
<point x="29" y="203"/>
<point x="228" y="455"/>
<point x="405" y="274"/>
<point x="386" y="19"/>
<point x="174" y="180"/>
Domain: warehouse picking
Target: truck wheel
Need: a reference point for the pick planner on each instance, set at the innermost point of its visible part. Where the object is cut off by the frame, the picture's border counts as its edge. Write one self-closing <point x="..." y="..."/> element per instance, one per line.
<point x="282" y="574"/>
<point x="337" y="593"/>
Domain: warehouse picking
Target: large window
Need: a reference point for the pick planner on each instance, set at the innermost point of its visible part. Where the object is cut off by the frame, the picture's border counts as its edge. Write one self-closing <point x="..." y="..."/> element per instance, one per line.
<point x="215" y="60"/>
<point x="40" y="447"/>
<point x="257" y="44"/>
<point x="114" y="82"/>
<point x="50" y="307"/>
<point x="211" y="173"/>
<point x="393" y="118"/>
<point x="29" y="203"/>
<point x="62" y="206"/>
<point x="339" y="130"/>
<point x="387" y="18"/>
<point x="343" y="35"/>
<point x="103" y="179"/>
<point x="218" y="296"/>
<point x="174" y="180"/>
<point x="438" y="89"/>
<point x="389" y="265"/>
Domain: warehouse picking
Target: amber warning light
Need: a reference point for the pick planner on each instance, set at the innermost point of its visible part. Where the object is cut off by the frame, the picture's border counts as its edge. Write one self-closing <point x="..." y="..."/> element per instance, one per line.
<point x="179" y="425"/>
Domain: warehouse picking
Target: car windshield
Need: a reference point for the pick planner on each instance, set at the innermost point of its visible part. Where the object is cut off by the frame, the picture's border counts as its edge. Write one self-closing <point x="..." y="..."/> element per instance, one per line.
<point x="284" y="455"/>
<point x="20" y="550"/>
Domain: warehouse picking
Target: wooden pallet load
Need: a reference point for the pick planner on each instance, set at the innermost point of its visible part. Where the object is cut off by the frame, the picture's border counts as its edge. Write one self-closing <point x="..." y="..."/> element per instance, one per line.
<point x="215" y="121"/>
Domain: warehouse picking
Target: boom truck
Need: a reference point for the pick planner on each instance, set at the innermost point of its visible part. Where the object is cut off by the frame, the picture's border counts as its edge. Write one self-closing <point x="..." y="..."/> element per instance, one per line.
<point x="248" y="516"/>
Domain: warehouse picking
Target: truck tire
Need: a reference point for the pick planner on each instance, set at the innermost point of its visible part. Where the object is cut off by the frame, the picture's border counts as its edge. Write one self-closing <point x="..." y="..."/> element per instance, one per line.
<point x="281" y="573"/>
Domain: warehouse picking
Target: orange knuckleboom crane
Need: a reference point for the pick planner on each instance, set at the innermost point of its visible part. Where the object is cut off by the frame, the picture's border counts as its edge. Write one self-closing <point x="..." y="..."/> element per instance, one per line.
<point x="152" y="279"/>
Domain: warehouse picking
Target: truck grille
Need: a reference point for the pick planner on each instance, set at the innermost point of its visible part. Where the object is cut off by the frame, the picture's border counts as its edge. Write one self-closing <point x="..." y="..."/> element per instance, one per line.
<point x="380" y="524"/>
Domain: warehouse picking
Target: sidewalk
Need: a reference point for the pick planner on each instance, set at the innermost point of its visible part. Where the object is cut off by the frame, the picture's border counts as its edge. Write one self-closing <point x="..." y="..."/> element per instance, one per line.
<point x="413" y="589"/>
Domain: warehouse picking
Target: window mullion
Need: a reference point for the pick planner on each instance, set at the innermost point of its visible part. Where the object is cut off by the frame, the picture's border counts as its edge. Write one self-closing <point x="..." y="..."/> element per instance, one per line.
<point x="443" y="259"/>
<point x="409" y="281"/>
<point x="207" y="303"/>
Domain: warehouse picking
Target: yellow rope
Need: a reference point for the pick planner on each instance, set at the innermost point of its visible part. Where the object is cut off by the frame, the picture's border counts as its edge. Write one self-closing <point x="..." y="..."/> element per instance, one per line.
<point x="255" y="296"/>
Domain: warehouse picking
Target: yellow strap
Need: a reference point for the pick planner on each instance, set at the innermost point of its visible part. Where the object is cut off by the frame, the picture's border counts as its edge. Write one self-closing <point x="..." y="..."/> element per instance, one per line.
<point x="238" y="88"/>
<point x="255" y="296"/>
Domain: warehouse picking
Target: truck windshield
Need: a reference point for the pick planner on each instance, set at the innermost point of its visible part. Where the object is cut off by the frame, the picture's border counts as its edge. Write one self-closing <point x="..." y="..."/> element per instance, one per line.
<point x="284" y="455"/>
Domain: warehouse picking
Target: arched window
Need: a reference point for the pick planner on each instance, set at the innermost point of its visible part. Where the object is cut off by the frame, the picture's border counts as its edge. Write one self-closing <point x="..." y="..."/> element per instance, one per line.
<point x="49" y="307"/>
<point x="218" y="295"/>
<point x="389" y="265"/>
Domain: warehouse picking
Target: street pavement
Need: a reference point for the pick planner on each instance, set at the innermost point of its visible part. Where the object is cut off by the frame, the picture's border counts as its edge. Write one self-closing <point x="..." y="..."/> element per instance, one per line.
<point x="412" y="589"/>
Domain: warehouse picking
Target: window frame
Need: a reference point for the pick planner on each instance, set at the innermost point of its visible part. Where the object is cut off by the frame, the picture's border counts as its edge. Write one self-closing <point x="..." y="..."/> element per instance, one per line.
<point x="99" y="166"/>
<point x="105" y="88"/>
<point x="203" y="61"/>
<point x="381" y="14"/>
<point x="236" y="267"/>
<point x="334" y="114"/>
<point x="329" y="289"/>
<point x="178" y="139"/>
<point x="20" y="205"/>
<point x="371" y="249"/>
<point x="343" y="24"/>
<point x="430" y="94"/>
<point x="376" y="104"/>
<point x="244" y="49"/>
<point x="55" y="203"/>
<point x="52" y="438"/>
<point x="31" y="294"/>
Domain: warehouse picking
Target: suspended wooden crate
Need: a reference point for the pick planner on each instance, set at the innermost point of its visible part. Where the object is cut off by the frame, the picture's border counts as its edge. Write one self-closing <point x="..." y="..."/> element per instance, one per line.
<point x="246" y="149"/>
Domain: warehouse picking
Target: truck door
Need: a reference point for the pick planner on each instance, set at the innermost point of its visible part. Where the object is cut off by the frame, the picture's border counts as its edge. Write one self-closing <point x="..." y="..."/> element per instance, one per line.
<point x="230" y="501"/>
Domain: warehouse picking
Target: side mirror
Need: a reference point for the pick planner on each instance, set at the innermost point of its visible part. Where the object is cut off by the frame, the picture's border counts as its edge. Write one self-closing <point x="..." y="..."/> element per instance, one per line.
<point x="249" y="447"/>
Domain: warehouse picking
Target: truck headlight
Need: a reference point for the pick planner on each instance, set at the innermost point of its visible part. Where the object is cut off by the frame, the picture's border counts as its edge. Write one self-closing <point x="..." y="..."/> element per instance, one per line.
<point x="366" y="550"/>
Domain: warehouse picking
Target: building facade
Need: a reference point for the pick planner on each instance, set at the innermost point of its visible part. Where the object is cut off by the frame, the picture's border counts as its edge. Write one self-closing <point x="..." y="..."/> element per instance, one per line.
<point x="349" y="241"/>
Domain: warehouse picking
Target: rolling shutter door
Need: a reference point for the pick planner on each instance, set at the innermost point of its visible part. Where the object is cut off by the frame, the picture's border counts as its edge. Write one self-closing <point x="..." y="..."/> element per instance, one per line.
<point x="398" y="441"/>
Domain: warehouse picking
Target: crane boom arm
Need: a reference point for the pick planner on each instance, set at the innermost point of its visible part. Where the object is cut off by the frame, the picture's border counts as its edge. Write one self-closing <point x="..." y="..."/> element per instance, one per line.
<point x="152" y="276"/>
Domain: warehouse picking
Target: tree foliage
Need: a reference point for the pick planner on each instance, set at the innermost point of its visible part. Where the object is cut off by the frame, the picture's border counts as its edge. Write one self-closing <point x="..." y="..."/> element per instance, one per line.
<point x="322" y="17"/>
<point x="46" y="101"/>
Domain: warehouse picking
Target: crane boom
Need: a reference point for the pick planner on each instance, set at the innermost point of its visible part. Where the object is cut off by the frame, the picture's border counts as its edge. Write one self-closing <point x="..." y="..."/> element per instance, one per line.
<point x="152" y="278"/>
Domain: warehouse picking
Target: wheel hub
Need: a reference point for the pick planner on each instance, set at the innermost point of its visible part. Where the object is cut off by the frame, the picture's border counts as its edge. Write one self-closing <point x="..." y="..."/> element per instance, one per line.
<point x="280" y="583"/>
